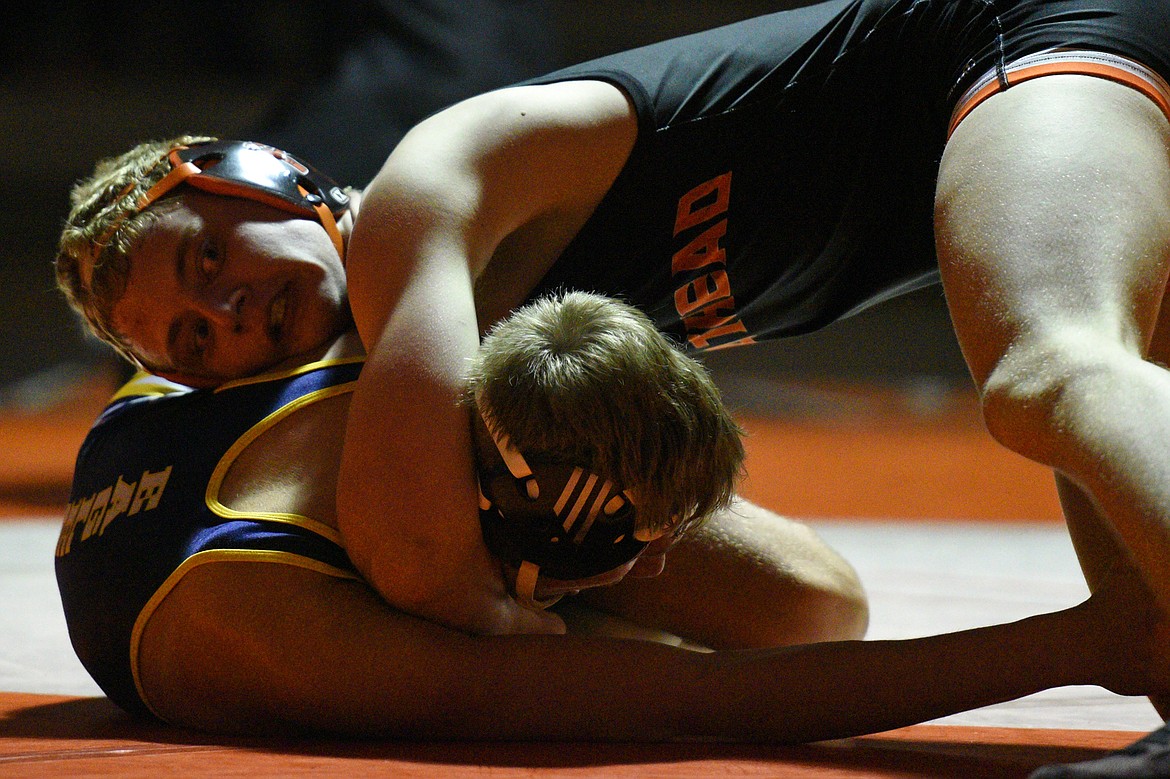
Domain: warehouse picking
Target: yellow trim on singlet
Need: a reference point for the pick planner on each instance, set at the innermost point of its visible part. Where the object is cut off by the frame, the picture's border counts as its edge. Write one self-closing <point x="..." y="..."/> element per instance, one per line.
<point x="211" y="495"/>
<point x="1077" y="62"/>
<point x="286" y="373"/>
<point x="144" y="384"/>
<point x="216" y="556"/>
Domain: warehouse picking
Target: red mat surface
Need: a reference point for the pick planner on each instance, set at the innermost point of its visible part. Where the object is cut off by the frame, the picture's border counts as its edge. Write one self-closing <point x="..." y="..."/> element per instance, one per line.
<point x="53" y="736"/>
<point x="864" y="452"/>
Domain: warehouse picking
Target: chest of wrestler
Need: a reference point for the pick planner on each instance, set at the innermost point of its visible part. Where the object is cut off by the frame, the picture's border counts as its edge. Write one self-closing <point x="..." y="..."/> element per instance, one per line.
<point x="155" y="496"/>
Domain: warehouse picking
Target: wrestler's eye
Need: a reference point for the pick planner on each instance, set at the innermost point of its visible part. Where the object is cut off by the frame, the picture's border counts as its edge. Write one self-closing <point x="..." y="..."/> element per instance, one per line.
<point x="210" y="260"/>
<point x="200" y="336"/>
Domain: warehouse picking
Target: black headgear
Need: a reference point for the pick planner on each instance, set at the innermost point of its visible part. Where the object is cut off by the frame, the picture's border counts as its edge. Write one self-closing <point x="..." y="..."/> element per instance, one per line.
<point x="559" y="520"/>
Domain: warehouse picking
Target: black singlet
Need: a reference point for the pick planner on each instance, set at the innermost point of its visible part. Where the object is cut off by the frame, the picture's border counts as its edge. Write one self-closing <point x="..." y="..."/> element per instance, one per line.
<point x="784" y="172"/>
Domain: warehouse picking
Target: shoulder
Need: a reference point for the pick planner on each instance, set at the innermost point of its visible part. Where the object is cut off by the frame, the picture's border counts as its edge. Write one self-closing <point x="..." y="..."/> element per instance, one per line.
<point x="469" y="176"/>
<point x="524" y="109"/>
<point x="470" y="138"/>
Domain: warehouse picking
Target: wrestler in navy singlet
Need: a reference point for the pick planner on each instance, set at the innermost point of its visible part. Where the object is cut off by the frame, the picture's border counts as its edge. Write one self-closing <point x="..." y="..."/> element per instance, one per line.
<point x="144" y="508"/>
<point x="785" y="166"/>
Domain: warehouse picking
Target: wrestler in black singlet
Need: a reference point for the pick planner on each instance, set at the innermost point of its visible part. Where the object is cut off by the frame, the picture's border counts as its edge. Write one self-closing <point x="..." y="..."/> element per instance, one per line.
<point x="785" y="167"/>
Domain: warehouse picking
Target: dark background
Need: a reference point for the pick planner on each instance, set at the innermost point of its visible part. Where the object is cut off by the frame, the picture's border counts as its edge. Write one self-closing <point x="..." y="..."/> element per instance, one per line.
<point x="85" y="81"/>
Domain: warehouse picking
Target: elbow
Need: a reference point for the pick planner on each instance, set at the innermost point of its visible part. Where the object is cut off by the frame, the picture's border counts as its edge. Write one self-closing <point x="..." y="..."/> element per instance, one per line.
<point x="840" y="605"/>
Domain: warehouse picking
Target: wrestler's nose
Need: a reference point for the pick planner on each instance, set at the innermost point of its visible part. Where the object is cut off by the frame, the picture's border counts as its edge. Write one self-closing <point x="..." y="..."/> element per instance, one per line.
<point x="224" y="307"/>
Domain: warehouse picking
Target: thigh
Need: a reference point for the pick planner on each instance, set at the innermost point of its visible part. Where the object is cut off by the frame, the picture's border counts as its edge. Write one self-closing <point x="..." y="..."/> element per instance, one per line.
<point x="1051" y="220"/>
<point x="747" y="578"/>
<point x="1053" y="232"/>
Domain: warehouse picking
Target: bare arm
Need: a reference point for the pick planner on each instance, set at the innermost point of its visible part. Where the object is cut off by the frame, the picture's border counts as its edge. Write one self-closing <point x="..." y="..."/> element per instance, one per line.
<point x="746" y="578"/>
<point x="456" y="187"/>
<point x="306" y="652"/>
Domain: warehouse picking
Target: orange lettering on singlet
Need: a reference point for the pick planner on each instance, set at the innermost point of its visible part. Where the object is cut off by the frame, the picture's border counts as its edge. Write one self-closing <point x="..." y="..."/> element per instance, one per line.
<point x="714" y="322"/>
<point x="701" y="292"/>
<point x="702" y="340"/>
<point x="711" y="317"/>
<point x="688" y="216"/>
<point x="702" y="251"/>
<point x="705" y="302"/>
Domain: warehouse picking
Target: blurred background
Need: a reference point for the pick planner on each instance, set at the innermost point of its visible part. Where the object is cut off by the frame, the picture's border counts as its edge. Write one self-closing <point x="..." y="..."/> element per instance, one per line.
<point x="338" y="82"/>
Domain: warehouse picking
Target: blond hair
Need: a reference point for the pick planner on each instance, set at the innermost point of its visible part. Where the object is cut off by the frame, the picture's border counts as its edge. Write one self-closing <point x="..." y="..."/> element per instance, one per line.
<point x="577" y="377"/>
<point x="92" y="261"/>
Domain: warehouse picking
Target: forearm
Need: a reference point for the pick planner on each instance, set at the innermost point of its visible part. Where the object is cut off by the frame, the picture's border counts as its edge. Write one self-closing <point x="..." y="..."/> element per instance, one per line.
<point x="843" y="689"/>
<point x="419" y="541"/>
<point x="407" y="500"/>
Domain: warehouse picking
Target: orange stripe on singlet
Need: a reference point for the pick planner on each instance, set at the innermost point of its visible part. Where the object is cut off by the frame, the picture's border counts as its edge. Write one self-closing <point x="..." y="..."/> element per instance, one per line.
<point x="1069" y="62"/>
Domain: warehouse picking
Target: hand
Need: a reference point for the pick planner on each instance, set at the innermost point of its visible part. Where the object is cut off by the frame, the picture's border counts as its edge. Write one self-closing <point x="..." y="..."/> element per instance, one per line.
<point x="1132" y="634"/>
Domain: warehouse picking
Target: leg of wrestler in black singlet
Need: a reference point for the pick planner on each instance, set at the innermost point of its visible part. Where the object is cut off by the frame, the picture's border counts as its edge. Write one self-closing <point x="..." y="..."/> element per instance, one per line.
<point x="1149" y="756"/>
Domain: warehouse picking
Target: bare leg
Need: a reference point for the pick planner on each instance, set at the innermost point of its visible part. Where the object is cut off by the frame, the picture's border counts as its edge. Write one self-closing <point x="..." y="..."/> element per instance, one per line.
<point x="747" y="578"/>
<point x="1098" y="548"/>
<point x="1053" y="222"/>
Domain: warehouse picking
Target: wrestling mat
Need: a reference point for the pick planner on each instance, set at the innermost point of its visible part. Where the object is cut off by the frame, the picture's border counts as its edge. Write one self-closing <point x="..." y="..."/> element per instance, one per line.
<point x="50" y="736"/>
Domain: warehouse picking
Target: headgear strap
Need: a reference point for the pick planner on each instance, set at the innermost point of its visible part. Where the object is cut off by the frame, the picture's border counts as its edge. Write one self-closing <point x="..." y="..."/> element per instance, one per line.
<point x="244" y="169"/>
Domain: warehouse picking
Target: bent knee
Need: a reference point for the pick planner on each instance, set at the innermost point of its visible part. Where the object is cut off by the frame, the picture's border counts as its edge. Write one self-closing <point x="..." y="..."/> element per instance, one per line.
<point x="823" y="597"/>
<point x="1048" y="393"/>
<point x="840" y="613"/>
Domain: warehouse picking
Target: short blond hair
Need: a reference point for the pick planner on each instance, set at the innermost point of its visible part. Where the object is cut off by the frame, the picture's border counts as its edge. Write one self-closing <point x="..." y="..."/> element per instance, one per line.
<point x="92" y="261"/>
<point x="577" y="377"/>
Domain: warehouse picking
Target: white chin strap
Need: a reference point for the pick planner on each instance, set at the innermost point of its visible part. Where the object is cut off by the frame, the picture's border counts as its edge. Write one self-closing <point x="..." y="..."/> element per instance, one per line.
<point x="529" y="573"/>
<point x="526" y="579"/>
<point x="513" y="460"/>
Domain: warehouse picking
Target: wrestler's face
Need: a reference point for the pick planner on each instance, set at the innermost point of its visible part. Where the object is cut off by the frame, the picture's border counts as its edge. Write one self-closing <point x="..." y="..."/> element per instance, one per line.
<point x="222" y="287"/>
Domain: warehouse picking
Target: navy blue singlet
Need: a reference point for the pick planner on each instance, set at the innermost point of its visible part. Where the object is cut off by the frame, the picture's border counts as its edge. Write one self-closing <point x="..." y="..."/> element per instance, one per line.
<point x="144" y="508"/>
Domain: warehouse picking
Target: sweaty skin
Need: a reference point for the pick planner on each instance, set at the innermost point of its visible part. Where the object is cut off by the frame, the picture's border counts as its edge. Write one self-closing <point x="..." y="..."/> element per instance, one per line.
<point x="224" y="287"/>
<point x="1056" y="326"/>
<point x="1052" y="322"/>
<point x="1057" y="323"/>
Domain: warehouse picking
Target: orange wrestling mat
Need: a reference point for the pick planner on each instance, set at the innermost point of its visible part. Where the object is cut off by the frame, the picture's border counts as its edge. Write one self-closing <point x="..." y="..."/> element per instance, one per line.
<point x="54" y="736"/>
